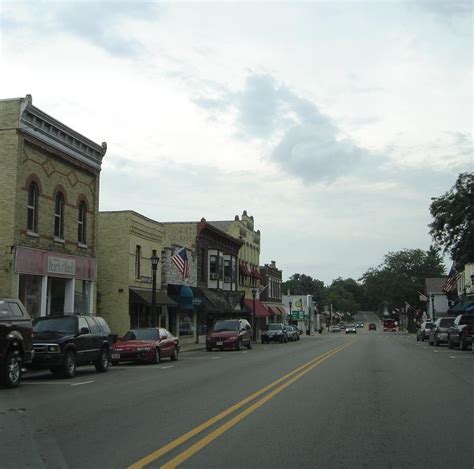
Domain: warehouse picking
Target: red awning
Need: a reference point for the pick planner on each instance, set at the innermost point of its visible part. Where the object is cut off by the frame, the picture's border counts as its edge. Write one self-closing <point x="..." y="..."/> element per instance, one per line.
<point x="260" y="310"/>
<point x="275" y="310"/>
<point x="255" y="273"/>
<point x="282" y="310"/>
<point x="243" y="270"/>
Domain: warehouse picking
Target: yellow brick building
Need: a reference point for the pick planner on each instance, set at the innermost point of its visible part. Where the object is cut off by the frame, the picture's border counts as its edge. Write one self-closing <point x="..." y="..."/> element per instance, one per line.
<point x="49" y="192"/>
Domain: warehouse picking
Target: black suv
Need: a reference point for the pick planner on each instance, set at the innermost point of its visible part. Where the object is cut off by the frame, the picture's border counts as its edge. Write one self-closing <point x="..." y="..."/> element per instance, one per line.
<point x="275" y="332"/>
<point x="15" y="341"/>
<point x="61" y="343"/>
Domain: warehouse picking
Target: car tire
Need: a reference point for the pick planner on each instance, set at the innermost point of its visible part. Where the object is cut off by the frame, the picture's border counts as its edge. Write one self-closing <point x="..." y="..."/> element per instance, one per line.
<point x="249" y="345"/>
<point x="11" y="370"/>
<point x="450" y="343"/>
<point x="238" y="346"/>
<point x="69" y="366"/>
<point x="157" y="357"/>
<point x="174" y="355"/>
<point x="102" y="362"/>
<point x="436" y="342"/>
<point x="462" y="343"/>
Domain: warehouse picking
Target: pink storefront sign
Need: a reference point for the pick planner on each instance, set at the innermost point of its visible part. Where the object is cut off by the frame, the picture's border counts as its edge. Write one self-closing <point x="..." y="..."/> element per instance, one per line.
<point x="53" y="264"/>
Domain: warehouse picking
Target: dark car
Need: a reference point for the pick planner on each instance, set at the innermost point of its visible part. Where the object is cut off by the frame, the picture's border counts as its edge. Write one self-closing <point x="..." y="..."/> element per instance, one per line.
<point x="439" y="331"/>
<point x="230" y="334"/>
<point x="275" y="332"/>
<point x="16" y="345"/>
<point x="145" y="345"/>
<point x="64" y="342"/>
<point x="372" y="327"/>
<point x="424" y="330"/>
<point x="461" y="332"/>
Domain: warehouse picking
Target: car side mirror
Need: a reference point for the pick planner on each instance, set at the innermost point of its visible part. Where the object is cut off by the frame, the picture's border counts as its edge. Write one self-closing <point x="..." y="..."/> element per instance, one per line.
<point x="84" y="330"/>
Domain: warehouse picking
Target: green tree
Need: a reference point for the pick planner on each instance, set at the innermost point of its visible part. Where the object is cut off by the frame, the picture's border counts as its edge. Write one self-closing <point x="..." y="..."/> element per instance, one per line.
<point x="301" y="284"/>
<point x="452" y="228"/>
<point x="343" y="295"/>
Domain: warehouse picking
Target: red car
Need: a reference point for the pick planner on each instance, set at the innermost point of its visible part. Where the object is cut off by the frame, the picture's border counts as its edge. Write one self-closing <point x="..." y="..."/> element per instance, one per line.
<point x="372" y="327"/>
<point x="145" y="345"/>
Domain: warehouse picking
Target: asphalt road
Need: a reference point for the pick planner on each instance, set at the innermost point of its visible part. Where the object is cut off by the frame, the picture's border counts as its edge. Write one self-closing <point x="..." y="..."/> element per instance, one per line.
<point x="371" y="400"/>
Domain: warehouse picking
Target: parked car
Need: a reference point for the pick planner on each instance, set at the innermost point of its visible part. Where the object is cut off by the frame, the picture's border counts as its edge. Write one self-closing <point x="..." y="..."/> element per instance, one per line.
<point x="351" y="329"/>
<point x="439" y="331"/>
<point x="16" y="345"/>
<point x="461" y="332"/>
<point x="64" y="342"/>
<point x="145" y="345"/>
<point x="292" y="333"/>
<point x="335" y="328"/>
<point x="275" y="332"/>
<point x="372" y="327"/>
<point x="229" y="334"/>
<point x="424" y="330"/>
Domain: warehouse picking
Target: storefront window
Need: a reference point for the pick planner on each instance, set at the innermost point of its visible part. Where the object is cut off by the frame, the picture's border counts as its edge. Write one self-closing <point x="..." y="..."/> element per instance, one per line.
<point x="186" y="326"/>
<point x="81" y="297"/>
<point x="30" y="293"/>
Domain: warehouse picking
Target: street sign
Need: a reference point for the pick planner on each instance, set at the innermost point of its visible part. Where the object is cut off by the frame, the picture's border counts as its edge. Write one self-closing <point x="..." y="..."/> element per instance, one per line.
<point x="298" y="315"/>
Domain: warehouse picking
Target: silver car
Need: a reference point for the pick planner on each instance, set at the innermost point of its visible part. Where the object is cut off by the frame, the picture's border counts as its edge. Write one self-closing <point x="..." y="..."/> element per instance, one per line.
<point x="292" y="333"/>
<point x="439" y="331"/>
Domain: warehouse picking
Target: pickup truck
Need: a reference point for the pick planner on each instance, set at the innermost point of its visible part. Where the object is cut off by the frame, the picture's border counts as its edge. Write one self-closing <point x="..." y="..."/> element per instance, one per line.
<point x="461" y="332"/>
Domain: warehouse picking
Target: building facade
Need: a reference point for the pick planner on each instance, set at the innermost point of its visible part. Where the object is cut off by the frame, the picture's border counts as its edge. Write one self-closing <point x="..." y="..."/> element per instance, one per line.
<point x="271" y="294"/>
<point x="48" y="216"/>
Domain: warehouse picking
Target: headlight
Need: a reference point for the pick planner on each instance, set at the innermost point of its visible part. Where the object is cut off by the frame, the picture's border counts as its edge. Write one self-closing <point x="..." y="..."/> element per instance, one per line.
<point x="53" y="348"/>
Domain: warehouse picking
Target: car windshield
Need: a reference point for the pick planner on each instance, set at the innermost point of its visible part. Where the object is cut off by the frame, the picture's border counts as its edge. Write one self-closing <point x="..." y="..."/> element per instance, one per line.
<point x="222" y="326"/>
<point x="274" y="327"/>
<point x="64" y="325"/>
<point x="141" y="334"/>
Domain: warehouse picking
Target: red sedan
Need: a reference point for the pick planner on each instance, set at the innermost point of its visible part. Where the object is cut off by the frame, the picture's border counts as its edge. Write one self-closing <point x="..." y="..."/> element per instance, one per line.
<point x="145" y="345"/>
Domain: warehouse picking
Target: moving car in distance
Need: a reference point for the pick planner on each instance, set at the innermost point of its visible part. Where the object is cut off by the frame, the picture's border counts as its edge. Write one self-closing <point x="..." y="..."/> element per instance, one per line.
<point x="145" y="345"/>
<point x="389" y="325"/>
<point x="274" y="332"/>
<point x="16" y="345"/>
<point x="64" y="342"/>
<point x="359" y="324"/>
<point x="439" y="331"/>
<point x="334" y="328"/>
<point x="351" y="329"/>
<point x="424" y="330"/>
<point x="229" y="334"/>
<point x="372" y="327"/>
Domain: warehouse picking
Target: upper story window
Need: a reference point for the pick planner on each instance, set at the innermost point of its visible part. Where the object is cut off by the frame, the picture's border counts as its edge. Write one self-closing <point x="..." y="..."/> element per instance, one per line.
<point x="227" y="271"/>
<point x="213" y="268"/>
<point x="138" y="261"/>
<point x="81" y="224"/>
<point x="59" y="216"/>
<point x="32" y="208"/>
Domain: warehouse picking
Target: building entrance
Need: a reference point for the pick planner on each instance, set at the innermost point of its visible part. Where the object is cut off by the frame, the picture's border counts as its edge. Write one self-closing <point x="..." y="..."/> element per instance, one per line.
<point x="56" y="295"/>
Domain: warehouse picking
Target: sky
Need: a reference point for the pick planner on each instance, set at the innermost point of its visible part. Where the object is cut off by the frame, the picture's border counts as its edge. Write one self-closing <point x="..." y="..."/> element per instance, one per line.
<point x="332" y="123"/>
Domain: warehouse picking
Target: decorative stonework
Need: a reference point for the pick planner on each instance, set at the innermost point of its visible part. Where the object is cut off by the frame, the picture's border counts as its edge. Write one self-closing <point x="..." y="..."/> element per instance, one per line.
<point x="48" y="168"/>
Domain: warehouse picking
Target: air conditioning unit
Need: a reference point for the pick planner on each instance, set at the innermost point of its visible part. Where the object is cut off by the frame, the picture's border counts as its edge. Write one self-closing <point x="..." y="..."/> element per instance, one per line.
<point x="213" y="276"/>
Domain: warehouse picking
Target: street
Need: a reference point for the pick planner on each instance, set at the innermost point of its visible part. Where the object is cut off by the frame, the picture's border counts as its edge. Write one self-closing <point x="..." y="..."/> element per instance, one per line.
<point x="369" y="400"/>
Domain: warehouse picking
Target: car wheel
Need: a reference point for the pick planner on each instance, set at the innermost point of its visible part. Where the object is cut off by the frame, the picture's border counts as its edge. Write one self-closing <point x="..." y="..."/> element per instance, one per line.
<point x="462" y="343"/>
<point x="450" y="343"/>
<point x="417" y="338"/>
<point x="238" y="346"/>
<point x="174" y="355"/>
<point x="69" y="366"/>
<point x="157" y="358"/>
<point x="11" y="371"/>
<point x="102" y="362"/>
<point x="249" y="345"/>
<point x="209" y="349"/>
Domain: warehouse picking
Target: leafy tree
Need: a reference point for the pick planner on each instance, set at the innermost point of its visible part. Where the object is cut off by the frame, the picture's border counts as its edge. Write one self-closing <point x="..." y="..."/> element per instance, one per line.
<point x="301" y="284"/>
<point x="343" y="295"/>
<point x="453" y="220"/>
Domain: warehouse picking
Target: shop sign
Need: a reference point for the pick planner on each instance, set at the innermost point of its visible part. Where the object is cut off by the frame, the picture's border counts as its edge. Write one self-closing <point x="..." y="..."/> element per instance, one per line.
<point x="57" y="265"/>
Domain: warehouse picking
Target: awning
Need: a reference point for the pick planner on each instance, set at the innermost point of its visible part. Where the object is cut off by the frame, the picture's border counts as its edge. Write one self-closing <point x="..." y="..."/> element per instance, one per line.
<point x="260" y="310"/>
<point x="282" y="310"/>
<point x="255" y="273"/>
<point x="275" y="309"/>
<point x="244" y="270"/>
<point x="143" y="295"/>
<point x="461" y="306"/>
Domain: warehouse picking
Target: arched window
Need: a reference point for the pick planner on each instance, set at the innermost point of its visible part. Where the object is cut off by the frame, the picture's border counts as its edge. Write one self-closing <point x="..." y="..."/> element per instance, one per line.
<point x="81" y="224"/>
<point x="59" y="216"/>
<point x="32" y="208"/>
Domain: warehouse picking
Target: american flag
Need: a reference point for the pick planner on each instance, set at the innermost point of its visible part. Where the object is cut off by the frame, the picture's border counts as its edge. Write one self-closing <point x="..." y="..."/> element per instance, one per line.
<point x="452" y="279"/>
<point x="180" y="260"/>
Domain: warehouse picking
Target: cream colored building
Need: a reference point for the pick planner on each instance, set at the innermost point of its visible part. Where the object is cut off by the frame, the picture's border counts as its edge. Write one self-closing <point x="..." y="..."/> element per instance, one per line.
<point x="49" y="193"/>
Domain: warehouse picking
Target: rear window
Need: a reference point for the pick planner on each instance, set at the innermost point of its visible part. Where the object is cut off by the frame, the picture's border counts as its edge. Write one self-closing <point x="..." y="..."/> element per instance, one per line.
<point x="446" y="322"/>
<point x="274" y="327"/>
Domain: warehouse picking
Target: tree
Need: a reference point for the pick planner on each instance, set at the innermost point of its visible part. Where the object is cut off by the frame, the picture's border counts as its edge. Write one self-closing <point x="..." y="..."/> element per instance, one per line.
<point x="301" y="284"/>
<point x="343" y="295"/>
<point x="452" y="228"/>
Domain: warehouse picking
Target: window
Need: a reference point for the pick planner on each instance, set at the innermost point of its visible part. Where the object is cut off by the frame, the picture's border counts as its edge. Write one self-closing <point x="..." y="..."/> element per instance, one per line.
<point x="213" y="267"/>
<point x="32" y="215"/>
<point x="138" y="258"/>
<point x="81" y="224"/>
<point x="59" y="216"/>
<point x="17" y="312"/>
<point x="227" y="271"/>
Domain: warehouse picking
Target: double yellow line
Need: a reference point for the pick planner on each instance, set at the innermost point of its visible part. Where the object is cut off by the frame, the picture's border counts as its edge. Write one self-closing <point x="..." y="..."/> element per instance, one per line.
<point x="287" y="380"/>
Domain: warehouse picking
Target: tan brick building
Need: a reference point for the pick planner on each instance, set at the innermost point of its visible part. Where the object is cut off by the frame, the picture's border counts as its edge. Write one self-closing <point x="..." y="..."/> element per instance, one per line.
<point x="49" y="192"/>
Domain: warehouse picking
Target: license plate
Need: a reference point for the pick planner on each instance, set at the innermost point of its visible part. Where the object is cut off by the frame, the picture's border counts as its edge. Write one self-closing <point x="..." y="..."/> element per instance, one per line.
<point x="114" y="356"/>
<point x="219" y="343"/>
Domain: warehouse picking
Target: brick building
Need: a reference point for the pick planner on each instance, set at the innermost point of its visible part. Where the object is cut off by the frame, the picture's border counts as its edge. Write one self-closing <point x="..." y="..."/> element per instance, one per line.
<point x="271" y="294"/>
<point x="48" y="215"/>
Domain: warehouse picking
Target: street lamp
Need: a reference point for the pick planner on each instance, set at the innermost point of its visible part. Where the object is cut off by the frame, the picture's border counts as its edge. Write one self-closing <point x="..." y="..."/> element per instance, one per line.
<point x="432" y="307"/>
<point x="154" y="264"/>
<point x="290" y="304"/>
<point x="254" y="332"/>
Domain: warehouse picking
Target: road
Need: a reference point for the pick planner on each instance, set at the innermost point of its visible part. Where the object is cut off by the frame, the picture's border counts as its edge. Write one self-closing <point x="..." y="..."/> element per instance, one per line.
<point x="371" y="400"/>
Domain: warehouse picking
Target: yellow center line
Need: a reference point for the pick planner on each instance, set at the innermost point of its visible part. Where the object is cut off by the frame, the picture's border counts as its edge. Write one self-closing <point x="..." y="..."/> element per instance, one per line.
<point x="235" y="420"/>
<point x="200" y="428"/>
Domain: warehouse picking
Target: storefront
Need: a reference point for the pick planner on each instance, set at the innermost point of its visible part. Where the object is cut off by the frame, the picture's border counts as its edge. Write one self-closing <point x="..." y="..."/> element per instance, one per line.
<point x="53" y="283"/>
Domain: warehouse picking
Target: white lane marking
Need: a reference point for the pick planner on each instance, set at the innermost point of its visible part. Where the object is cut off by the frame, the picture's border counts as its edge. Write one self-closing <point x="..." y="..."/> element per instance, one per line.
<point x="464" y="356"/>
<point x="215" y="358"/>
<point x="166" y="367"/>
<point x="84" y="382"/>
<point x="44" y="382"/>
<point x="452" y="356"/>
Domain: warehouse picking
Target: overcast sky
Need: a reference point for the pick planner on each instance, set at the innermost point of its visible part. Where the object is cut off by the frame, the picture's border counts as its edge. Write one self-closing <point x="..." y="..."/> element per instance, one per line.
<point x="332" y="123"/>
